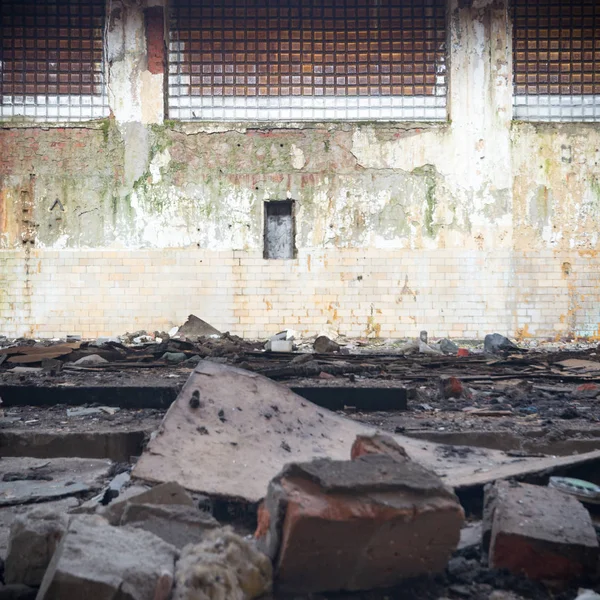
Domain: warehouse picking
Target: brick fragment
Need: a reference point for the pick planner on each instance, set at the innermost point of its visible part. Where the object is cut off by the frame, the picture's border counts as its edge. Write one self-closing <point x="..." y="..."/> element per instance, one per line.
<point x="540" y="532"/>
<point x="390" y="519"/>
<point x="377" y="444"/>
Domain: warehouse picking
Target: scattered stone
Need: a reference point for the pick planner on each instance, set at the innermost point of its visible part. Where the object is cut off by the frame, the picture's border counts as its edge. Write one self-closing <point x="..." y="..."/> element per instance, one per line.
<point x="448" y="347"/>
<point x="222" y="567"/>
<point x="325" y="375"/>
<point x="301" y="359"/>
<point x="83" y="412"/>
<point x="377" y="444"/>
<point x="323" y="345"/>
<point x="195" y="400"/>
<point x="174" y="357"/>
<point x="90" y="361"/>
<point x="33" y="540"/>
<point x="462" y="352"/>
<point x="389" y="519"/>
<point x="450" y="387"/>
<point x="164" y="493"/>
<point x="540" y="532"/>
<point x="423" y="336"/>
<point x="178" y="525"/>
<point x="494" y="342"/>
<point x="126" y="563"/>
<point x="193" y="360"/>
<point x="195" y="328"/>
<point x="26" y="370"/>
<point x="569" y="413"/>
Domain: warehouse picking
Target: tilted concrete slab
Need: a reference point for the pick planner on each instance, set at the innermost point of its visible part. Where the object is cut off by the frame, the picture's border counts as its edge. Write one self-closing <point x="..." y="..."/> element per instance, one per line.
<point x="231" y="431"/>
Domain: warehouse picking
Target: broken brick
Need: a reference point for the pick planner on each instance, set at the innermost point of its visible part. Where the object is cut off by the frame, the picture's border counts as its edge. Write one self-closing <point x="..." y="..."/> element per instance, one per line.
<point x="377" y="444"/>
<point x="387" y="518"/>
<point x="450" y="387"/>
<point x="540" y="532"/>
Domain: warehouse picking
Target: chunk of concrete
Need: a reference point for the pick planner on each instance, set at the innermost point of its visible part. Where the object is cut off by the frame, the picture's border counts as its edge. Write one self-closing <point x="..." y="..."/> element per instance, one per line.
<point x="164" y="493"/>
<point x="281" y="346"/>
<point x="178" y="525"/>
<point x="495" y="342"/>
<point x="195" y="328"/>
<point x="90" y="361"/>
<point x="540" y="532"/>
<point x="223" y="566"/>
<point x="389" y="519"/>
<point x="33" y="539"/>
<point x="96" y="560"/>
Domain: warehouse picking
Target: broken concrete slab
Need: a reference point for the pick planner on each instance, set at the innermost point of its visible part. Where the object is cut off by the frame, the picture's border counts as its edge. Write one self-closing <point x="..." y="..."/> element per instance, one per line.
<point x="247" y="427"/>
<point x="127" y="563"/>
<point x="33" y="540"/>
<point x="391" y="520"/>
<point x="177" y="525"/>
<point x="8" y="514"/>
<point x="223" y="566"/>
<point x="49" y="479"/>
<point x="169" y="493"/>
<point x="196" y="328"/>
<point x="540" y="532"/>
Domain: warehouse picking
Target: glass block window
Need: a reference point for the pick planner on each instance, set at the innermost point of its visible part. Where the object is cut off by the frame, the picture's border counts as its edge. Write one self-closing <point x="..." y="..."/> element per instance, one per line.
<point x="307" y="59"/>
<point x="556" y="53"/>
<point x="51" y="60"/>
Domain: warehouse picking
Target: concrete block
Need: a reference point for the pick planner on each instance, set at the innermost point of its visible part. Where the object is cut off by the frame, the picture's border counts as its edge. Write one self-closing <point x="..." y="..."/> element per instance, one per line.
<point x="33" y="540"/>
<point x="96" y="560"/>
<point x="282" y="346"/>
<point x="390" y="519"/>
<point x="175" y="524"/>
<point x="540" y="532"/>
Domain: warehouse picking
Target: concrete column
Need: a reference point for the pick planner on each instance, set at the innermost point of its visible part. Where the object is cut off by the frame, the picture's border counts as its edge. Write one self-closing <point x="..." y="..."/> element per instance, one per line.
<point x="136" y="58"/>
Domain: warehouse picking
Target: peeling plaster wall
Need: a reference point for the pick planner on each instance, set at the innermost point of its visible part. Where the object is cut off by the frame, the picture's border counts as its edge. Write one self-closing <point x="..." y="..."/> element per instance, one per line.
<point x="465" y="227"/>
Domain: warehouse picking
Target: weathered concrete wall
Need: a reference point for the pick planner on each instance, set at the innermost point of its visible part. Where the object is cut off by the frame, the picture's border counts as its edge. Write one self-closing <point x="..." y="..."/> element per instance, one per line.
<point x="460" y="228"/>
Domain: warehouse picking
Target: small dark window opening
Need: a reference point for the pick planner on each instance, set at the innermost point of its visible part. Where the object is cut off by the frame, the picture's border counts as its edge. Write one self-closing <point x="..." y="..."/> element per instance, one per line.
<point x="280" y="230"/>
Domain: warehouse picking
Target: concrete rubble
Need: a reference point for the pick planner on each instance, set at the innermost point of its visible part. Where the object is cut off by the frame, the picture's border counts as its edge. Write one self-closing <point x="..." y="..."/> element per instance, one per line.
<point x="335" y="505"/>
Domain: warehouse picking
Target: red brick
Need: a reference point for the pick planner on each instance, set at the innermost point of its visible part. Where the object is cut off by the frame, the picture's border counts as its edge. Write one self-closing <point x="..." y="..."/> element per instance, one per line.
<point x="377" y="444"/>
<point x="155" y="39"/>
<point x="388" y="519"/>
<point x="540" y="532"/>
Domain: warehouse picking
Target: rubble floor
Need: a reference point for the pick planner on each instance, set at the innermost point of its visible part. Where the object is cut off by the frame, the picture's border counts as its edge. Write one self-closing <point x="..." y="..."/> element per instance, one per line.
<point x="524" y="404"/>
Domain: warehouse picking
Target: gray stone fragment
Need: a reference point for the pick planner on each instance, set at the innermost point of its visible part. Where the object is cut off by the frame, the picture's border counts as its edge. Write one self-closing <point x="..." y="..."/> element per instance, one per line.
<point x="164" y="493"/>
<point x="100" y="562"/>
<point x="448" y="346"/>
<point x="90" y="361"/>
<point x="196" y="328"/>
<point x="175" y="524"/>
<point x="33" y="540"/>
<point x="174" y="357"/>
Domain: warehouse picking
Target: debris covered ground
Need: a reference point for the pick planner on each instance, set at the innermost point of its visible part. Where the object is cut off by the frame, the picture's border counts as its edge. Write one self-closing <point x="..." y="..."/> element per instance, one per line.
<point x="457" y="418"/>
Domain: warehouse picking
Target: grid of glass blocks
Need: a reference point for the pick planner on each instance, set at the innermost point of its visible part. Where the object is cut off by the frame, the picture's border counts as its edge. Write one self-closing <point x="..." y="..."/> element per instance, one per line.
<point x="556" y="55"/>
<point x="307" y="59"/>
<point x="51" y="60"/>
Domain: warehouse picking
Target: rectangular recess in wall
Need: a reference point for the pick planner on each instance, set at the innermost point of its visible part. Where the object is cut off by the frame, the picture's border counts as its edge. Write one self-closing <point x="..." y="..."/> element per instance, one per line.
<point x="556" y="60"/>
<point x="280" y="230"/>
<point x="52" y="60"/>
<point x="309" y="60"/>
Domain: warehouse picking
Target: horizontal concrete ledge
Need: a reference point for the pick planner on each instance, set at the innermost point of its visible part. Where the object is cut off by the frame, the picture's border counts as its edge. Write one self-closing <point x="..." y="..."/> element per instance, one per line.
<point x="507" y="441"/>
<point x="161" y="396"/>
<point x="361" y="398"/>
<point x="118" y="446"/>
